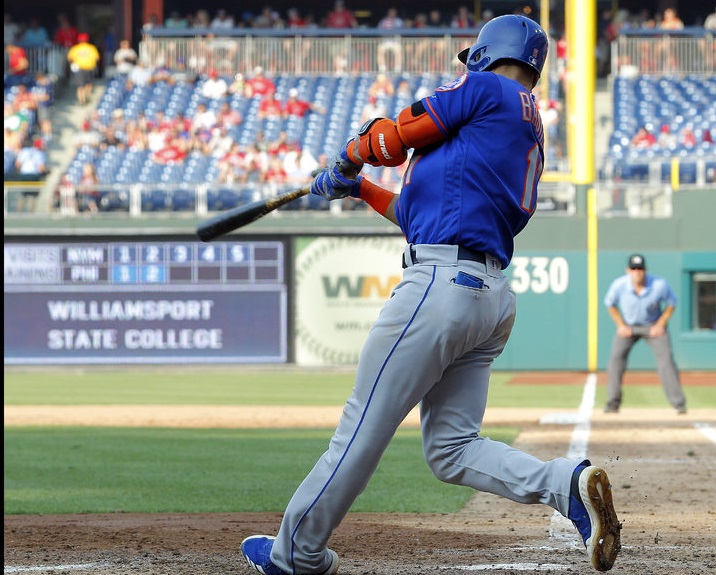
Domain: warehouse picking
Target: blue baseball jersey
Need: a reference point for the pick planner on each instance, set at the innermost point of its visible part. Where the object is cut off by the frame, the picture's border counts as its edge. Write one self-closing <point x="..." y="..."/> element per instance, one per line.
<point x="478" y="188"/>
<point x="644" y="308"/>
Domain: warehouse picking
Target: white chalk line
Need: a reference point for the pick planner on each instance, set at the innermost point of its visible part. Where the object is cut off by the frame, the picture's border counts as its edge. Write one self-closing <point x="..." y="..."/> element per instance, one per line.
<point x="561" y="528"/>
<point x="44" y="568"/>
<point x="707" y="430"/>
<point x="511" y="566"/>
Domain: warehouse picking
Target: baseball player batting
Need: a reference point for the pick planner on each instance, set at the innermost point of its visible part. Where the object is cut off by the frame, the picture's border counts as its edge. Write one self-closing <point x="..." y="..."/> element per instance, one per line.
<point x="470" y="188"/>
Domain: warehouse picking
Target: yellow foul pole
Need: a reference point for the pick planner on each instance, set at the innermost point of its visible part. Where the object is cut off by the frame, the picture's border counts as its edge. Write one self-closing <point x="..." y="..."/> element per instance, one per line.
<point x="581" y="22"/>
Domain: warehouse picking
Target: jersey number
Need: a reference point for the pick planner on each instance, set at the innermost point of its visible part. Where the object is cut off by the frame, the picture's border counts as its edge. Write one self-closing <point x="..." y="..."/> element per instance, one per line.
<point x="532" y="174"/>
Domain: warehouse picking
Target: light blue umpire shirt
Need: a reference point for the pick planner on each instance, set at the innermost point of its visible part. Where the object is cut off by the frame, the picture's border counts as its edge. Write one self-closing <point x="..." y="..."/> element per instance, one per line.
<point x="644" y="308"/>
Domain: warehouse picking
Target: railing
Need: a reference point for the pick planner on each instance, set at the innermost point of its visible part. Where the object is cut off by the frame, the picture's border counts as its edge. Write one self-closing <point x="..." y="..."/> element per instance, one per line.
<point x="137" y="200"/>
<point x="314" y="52"/>
<point x="654" y="52"/>
<point x="52" y="60"/>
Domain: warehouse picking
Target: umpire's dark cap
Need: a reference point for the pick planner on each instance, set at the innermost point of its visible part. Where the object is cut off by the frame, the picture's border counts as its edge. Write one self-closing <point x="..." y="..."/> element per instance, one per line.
<point x="637" y="262"/>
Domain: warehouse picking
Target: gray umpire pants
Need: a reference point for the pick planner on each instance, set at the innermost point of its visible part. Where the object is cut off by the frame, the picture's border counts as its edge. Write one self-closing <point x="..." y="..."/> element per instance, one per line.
<point x="665" y="365"/>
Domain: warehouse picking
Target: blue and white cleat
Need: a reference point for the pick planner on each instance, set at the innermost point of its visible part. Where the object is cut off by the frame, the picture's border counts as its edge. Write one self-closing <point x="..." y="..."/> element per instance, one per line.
<point x="257" y="552"/>
<point x="592" y="512"/>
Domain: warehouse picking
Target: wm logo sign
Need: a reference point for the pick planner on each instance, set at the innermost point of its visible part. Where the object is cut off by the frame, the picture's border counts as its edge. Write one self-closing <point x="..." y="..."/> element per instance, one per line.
<point x="358" y="287"/>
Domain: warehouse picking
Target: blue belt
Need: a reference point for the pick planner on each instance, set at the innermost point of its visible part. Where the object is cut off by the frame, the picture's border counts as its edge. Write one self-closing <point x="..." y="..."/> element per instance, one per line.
<point x="462" y="254"/>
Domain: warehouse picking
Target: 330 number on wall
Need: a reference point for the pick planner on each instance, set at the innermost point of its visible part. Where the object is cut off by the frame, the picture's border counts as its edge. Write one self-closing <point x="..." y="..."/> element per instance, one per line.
<point x="540" y="274"/>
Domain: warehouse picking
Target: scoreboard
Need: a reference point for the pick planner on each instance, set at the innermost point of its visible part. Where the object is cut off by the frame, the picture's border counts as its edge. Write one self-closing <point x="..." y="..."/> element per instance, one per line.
<point x="165" y="301"/>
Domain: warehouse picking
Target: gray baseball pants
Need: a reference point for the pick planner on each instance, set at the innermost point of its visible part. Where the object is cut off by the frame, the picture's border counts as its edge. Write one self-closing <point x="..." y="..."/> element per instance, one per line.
<point x="433" y="344"/>
<point x="665" y="365"/>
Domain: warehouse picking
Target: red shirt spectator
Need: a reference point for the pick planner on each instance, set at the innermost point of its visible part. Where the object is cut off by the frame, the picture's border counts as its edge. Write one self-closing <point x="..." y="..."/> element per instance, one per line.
<point x="296" y="107"/>
<point x="341" y="17"/>
<point x="172" y="153"/>
<point x="17" y="60"/>
<point x="643" y="139"/>
<point x="270" y="107"/>
<point x="294" y="19"/>
<point x="66" y="35"/>
<point x="259" y="84"/>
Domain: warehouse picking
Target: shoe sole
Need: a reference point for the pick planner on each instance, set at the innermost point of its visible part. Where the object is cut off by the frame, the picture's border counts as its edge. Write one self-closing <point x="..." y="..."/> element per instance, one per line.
<point x="596" y="493"/>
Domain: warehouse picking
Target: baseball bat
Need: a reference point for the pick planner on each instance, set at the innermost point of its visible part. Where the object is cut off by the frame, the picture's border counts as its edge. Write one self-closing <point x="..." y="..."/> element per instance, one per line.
<point x="241" y="216"/>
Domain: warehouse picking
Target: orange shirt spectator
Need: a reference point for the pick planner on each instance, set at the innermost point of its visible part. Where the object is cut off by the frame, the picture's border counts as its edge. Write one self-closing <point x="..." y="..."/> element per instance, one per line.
<point x="341" y="17"/>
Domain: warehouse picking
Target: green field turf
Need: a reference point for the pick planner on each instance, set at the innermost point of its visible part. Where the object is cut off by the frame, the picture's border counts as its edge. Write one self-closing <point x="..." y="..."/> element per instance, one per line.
<point x="106" y="470"/>
<point x="144" y="470"/>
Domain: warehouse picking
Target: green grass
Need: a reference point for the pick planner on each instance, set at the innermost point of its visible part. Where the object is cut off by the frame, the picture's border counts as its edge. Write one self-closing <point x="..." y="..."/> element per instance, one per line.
<point x="196" y="386"/>
<point x="104" y="470"/>
<point x="93" y="470"/>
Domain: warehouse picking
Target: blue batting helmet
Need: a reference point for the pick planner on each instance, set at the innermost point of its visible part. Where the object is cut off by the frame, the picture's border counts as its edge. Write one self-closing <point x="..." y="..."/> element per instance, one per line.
<point x="509" y="37"/>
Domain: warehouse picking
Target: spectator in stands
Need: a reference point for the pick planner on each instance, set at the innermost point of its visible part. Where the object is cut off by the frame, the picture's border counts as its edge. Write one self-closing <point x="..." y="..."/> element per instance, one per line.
<point x="25" y="102"/>
<point x="222" y="22"/>
<point x="687" y="137"/>
<point x="220" y="142"/>
<point x="463" y="19"/>
<point x="643" y="139"/>
<point x="35" y="35"/>
<point x="298" y="164"/>
<point x="710" y="21"/>
<point x="87" y="136"/>
<point x="259" y="84"/>
<point x="671" y="20"/>
<point x="270" y="107"/>
<point x="153" y="22"/>
<point x="84" y="61"/>
<point x="87" y="190"/>
<point x="139" y="75"/>
<point x="341" y="16"/>
<point x="18" y="65"/>
<point x="390" y="48"/>
<point x="11" y="31"/>
<point x="294" y="106"/>
<point x="665" y="139"/>
<point x="430" y="50"/>
<point x="204" y="118"/>
<point x="228" y="117"/>
<point x="125" y="58"/>
<point x="238" y="85"/>
<point x="31" y="160"/>
<point x="373" y="109"/>
<point x="280" y="146"/>
<point x="268" y="18"/>
<point x="175" y="22"/>
<point x="214" y="87"/>
<point x="202" y="20"/>
<point x="276" y="173"/>
<point x="16" y="121"/>
<point x="66" y="33"/>
<point x="294" y="19"/>
<point x="173" y="150"/>
<point x="233" y="165"/>
<point x="181" y="74"/>
<point x="382" y="86"/>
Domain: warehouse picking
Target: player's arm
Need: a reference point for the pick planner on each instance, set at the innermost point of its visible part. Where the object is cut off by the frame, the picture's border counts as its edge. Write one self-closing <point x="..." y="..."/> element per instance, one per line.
<point x="385" y="142"/>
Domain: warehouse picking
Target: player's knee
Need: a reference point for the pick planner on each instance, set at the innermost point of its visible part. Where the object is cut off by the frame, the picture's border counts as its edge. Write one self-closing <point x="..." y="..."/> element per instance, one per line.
<point x="442" y="464"/>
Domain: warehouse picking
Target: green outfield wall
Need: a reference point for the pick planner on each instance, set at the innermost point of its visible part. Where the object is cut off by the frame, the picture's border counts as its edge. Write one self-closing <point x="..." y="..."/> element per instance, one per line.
<point x="306" y="288"/>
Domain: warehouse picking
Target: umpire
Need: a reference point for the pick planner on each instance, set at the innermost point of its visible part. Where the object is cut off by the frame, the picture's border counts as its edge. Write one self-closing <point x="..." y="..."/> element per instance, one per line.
<point x="641" y="305"/>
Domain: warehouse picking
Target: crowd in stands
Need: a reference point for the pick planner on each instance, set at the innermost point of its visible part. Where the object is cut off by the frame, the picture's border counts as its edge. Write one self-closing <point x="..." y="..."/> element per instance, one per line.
<point x="208" y="130"/>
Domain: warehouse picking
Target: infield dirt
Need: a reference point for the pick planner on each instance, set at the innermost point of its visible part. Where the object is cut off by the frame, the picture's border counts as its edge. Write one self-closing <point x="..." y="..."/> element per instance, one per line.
<point x="662" y="466"/>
